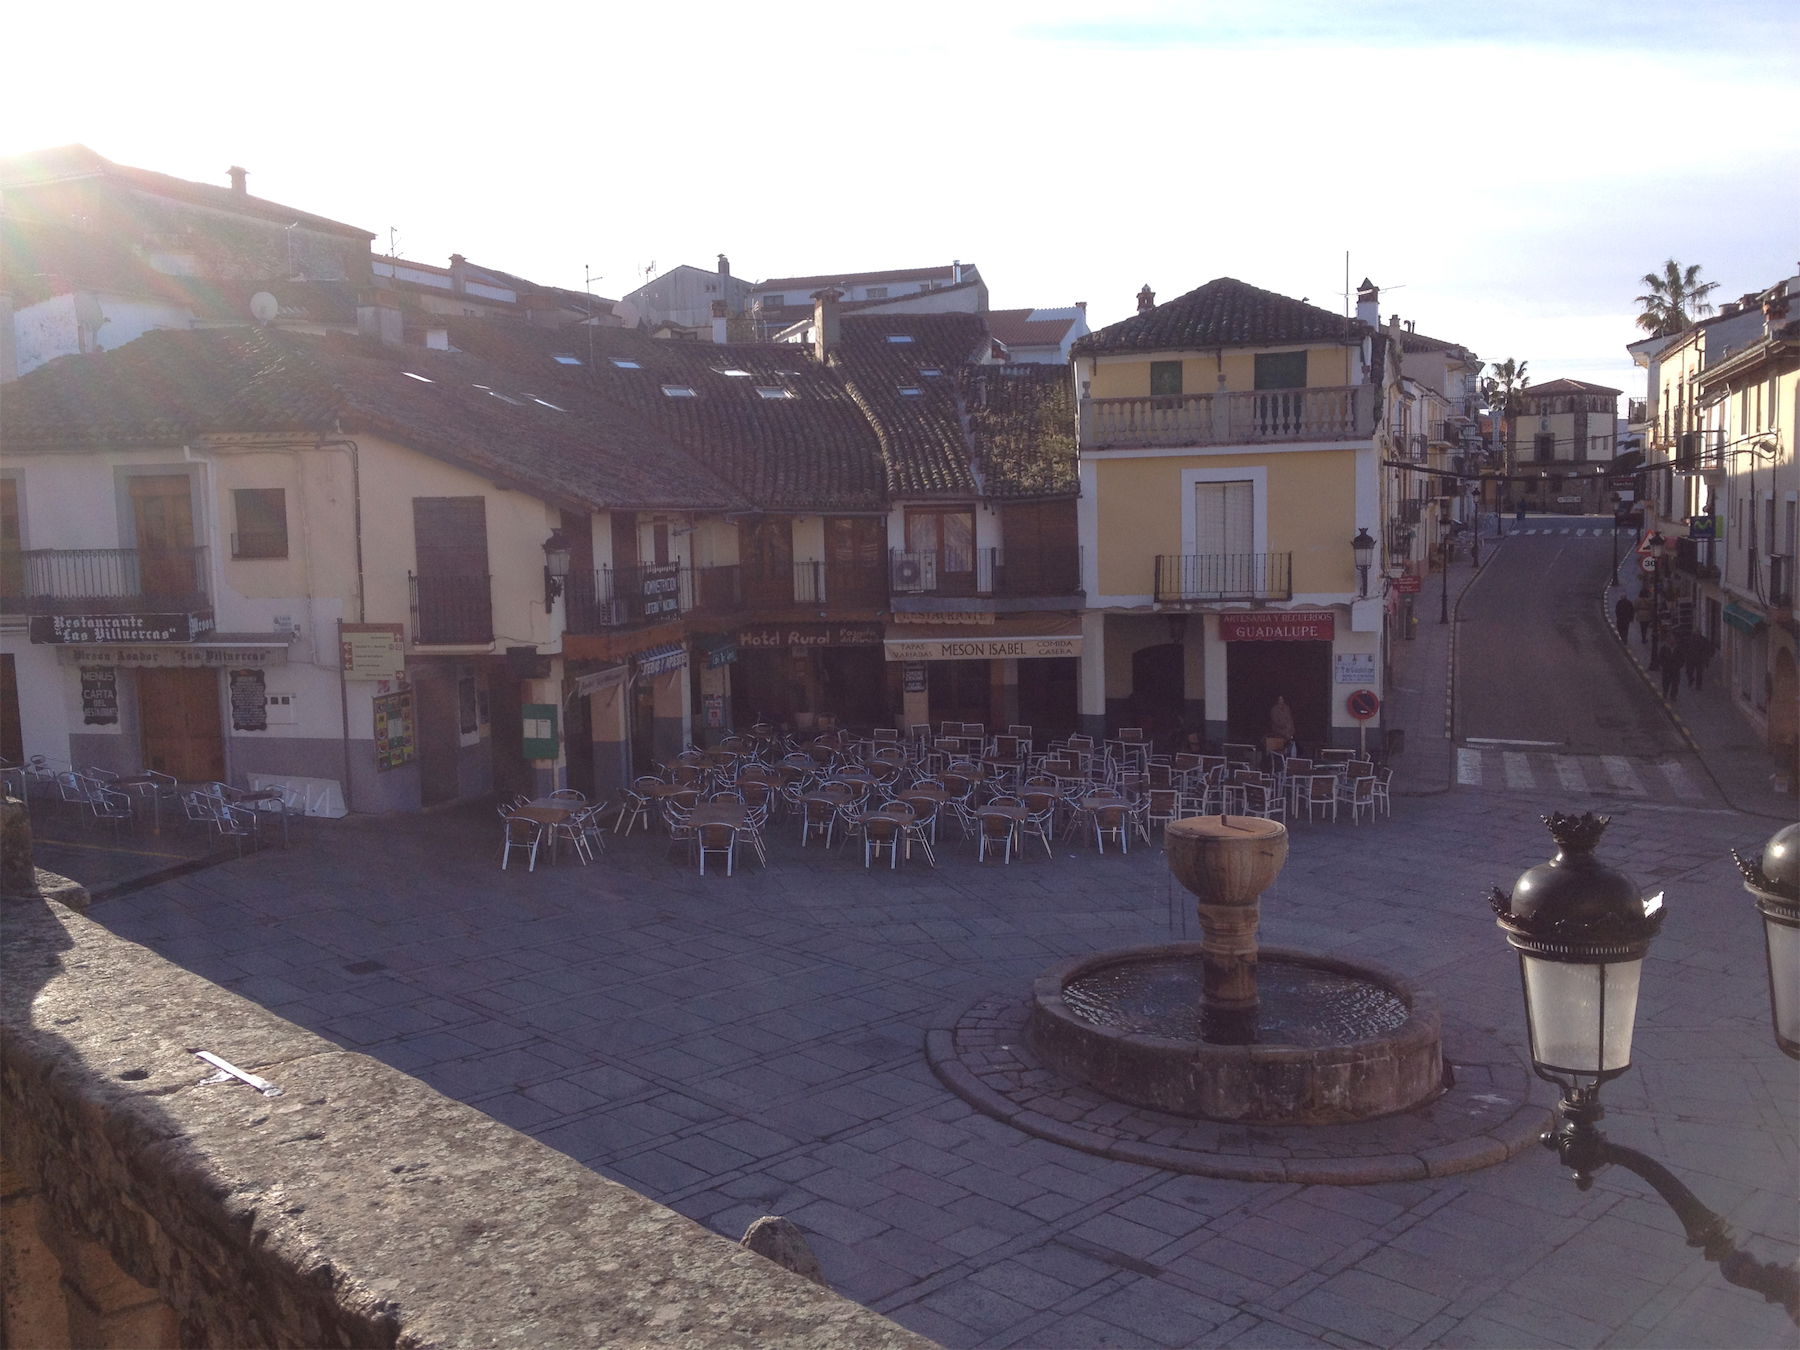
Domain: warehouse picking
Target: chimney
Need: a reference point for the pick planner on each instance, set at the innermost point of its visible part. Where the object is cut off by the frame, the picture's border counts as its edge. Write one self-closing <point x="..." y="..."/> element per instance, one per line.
<point x="377" y="316"/>
<point x="237" y="179"/>
<point x="459" y="279"/>
<point x="438" y="339"/>
<point x="724" y="265"/>
<point x="825" y="322"/>
<point x="1368" y="303"/>
<point x="956" y="272"/>
<point x="1081" y="305"/>
<point x="1146" y="299"/>
<point x="720" y="337"/>
<point x="1729" y="308"/>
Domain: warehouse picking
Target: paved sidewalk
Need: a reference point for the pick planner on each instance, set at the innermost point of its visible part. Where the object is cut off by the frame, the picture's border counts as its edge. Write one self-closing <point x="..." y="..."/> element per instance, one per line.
<point x="740" y="1046"/>
<point x="1734" y="755"/>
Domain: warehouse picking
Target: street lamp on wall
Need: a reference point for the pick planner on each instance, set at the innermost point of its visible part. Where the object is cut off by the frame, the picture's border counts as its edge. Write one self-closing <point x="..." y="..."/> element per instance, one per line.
<point x="1362" y="548"/>
<point x="1582" y="932"/>
<point x="556" y="566"/>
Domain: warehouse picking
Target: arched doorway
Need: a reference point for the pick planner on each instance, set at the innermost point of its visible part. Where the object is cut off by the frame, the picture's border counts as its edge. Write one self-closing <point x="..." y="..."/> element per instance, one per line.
<point x="1158" y="687"/>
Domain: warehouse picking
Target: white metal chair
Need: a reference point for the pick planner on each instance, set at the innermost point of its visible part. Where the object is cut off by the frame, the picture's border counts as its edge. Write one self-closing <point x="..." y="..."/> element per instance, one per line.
<point x="524" y="835"/>
<point x="882" y="831"/>
<point x="718" y="839"/>
<point x="1359" y="795"/>
<point x="995" y="830"/>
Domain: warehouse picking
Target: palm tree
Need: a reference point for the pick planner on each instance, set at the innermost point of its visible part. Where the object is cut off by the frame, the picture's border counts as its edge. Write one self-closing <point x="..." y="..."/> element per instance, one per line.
<point x="1503" y="391"/>
<point x="1675" y="298"/>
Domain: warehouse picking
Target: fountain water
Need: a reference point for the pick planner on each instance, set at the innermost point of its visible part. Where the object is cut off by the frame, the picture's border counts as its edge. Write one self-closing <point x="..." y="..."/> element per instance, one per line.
<point x="1223" y="1030"/>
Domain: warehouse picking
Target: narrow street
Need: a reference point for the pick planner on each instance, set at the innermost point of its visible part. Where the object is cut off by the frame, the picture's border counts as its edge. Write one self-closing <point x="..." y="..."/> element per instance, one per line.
<point x="1545" y="699"/>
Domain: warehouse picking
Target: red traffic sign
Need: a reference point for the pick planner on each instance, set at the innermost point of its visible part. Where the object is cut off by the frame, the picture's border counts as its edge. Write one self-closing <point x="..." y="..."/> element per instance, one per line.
<point x="1363" y="704"/>
<point x="1647" y="563"/>
<point x="1407" y="585"/>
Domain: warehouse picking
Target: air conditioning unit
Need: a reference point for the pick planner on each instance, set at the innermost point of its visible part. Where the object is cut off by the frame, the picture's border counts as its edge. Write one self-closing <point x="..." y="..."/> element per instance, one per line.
<point x="914" y="574"/>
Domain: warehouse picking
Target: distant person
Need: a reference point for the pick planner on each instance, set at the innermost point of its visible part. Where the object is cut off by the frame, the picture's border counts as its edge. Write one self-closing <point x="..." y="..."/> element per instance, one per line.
<point x="1519" y="511"/>
<point x="1281" y="721"/>
<point x="1623" y="613"/>
<point x="1669" y="653"/>
<point x="1696" y="654"/>
<point x="1645" y="610"/>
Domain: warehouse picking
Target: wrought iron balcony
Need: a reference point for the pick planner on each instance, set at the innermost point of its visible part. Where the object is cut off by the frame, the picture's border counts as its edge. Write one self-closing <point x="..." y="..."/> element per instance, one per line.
<point x="105" y="581"/>
<point x="1223" y="576"/>
<point x="454" y="610"/>
<point x="612" y="597"/>
<point x="1338" y="413"/>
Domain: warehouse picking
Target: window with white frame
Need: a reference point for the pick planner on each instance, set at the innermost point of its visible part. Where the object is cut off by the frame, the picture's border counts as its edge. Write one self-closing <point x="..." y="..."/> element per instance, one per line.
<point x="1225" y="517"/>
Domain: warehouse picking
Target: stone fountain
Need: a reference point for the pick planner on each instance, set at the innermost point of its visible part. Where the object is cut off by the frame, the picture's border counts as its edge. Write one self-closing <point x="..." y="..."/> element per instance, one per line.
<point x="1223" y="1030"/>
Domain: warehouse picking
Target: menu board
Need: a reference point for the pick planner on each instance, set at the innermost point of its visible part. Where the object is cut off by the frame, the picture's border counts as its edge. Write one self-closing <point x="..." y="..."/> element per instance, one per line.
<point x="99" y="695"/>
<point x="249" y="701"/>
<point x="393" y="729"/>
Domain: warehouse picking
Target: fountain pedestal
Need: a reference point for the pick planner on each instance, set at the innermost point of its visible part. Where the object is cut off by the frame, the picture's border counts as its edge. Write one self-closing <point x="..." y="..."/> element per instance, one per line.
<point x="1227" y="863"/>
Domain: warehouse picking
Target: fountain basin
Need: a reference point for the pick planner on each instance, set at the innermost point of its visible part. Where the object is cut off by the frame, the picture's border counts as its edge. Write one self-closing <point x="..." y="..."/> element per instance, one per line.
<point x="1337" y="1041"/>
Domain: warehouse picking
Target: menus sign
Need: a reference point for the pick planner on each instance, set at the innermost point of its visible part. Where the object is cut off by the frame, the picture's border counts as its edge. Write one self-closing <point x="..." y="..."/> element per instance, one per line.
<point x="810" y="635"/>
<point x="372" y="651"/>
<point x="393" y="729"/>
<point x="188" y="658"/>
<point x="540" y="730"/>
<point x="99" y="696"/>
<point x="912" y="676"/>
<point x="249" y="701"/>
<point x="1278" y="626"/>
<point x="662" y="590"/>
<point x="984" y="618"/>
<point x="48" y="628"/>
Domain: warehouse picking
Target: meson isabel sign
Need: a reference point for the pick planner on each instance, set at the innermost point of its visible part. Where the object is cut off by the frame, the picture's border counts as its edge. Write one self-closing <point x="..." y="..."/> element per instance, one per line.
<point x="1298" y="625"/>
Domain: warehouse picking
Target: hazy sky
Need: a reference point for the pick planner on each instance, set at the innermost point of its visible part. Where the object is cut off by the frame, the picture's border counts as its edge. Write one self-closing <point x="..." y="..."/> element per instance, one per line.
<point x="1505" y="172"/>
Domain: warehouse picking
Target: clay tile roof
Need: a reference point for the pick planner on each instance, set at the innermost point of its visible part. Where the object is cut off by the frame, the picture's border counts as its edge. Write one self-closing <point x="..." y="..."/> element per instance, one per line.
<point x="1222" y="313"/>
<point x="1016" y="328"/>
<point x="812" y="451"/>
<point x="1418" y="342"/>
<point x="173" y="387"/>
<point x="926" y="452"/>
<point x="1566" y="386"/>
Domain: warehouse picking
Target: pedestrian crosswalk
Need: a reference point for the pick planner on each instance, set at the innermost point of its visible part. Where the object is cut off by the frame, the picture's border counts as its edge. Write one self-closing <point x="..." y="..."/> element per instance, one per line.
<point x="1576" y="777"/>
<point x="1567" y="532"/>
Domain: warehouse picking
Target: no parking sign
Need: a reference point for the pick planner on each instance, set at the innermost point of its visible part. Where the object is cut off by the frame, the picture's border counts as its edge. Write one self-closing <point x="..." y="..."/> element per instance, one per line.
<point x="1363" y="704"/>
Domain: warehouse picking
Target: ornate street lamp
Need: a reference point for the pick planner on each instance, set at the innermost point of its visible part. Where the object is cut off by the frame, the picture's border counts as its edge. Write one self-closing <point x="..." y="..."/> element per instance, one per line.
<point x="556" y="566"/>
<point x="1362" y="548"/>
<point x="1774" y="879"/>
<point x="1581" y="932"/>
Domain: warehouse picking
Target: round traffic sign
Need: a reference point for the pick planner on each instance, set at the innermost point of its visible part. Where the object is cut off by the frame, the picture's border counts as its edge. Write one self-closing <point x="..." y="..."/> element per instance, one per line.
<point x="1647" y="563"/>
<point x="1362" y="705"/>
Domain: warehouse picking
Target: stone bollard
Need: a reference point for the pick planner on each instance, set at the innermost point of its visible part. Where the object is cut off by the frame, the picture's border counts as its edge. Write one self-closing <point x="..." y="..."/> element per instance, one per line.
<point x="782" y="1242"/>
<point x="18" y="878"/>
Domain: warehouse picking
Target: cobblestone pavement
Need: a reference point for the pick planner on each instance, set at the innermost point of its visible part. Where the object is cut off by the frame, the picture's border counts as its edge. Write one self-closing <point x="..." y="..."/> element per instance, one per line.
<point x="755" y="1044"/>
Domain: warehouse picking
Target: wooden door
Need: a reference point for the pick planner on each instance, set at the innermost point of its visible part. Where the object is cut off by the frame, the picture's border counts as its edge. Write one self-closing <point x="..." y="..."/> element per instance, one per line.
<point x="435" y="705"/>
<point x="854" y="574"/>
<point x="162" y="511"/>
<point x="180" y="725"/>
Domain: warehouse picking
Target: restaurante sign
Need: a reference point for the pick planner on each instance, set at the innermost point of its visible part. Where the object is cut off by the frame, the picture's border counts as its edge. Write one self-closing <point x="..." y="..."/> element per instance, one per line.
<point x="1278" y="626"/>
<point x="59" y="628"/>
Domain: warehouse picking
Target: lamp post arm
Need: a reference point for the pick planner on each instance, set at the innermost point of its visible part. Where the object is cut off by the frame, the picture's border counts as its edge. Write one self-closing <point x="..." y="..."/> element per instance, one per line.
<point x="1580" y="1146"/>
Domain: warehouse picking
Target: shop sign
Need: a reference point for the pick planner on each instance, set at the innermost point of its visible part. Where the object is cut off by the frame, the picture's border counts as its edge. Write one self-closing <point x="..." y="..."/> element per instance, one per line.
<point x="1408" y="584"/>
<point x="980" y="618"/>
<point x="249" y="701"/>
<point x="372" y="651"/>
<point x="661" y="660"/>
<point x="596" y="680"/>
<point x="85" y="628"/>
<point x="982" y="649"/>
<point x="912" y="676"/>
<point x="662" y="590"/>
<point x="713" y="706"/>
<point x="1703" y="527"/>
<point x="1354" y="668"/>
<point x="188" y="658"/>
<point x="1278" y="626"/>
<point x="765" y="635"/>
<point x="99" y="696"/>
<point x="394" y="744"/>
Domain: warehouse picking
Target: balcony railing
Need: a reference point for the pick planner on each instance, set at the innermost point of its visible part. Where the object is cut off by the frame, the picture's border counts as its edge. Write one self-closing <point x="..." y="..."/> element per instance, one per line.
<point x="983" y="573"/>
<point x="106" y="581"/>
<point x="455" y="610"/>
<point x="1224" y="576"/>
<point x="1345" y="412"/>
<point x="611" y="597"/>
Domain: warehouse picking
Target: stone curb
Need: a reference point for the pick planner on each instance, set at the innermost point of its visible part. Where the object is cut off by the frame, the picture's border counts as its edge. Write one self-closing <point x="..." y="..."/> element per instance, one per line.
<point x="1384" y="1152"/>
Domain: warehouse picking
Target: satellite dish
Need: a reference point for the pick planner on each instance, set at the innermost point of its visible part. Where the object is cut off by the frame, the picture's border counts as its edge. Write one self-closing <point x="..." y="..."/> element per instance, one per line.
<point x="264" y="307"/>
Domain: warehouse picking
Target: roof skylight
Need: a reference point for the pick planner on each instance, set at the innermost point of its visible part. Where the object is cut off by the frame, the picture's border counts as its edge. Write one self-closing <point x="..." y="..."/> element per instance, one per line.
<point x="929" y="370"/>
<point x="733" y="372"/>
<point x="773" y="391"/>
<point x="547" y="403"/>
<point x="911" y="390"/>
<point x="566" y="359"/>
<point x="899" y="337"/>
<point x="625" y="363"/>
<point x="679" y="391"/>
<point x="505" y="398"/>
<point x="422" y="379"/>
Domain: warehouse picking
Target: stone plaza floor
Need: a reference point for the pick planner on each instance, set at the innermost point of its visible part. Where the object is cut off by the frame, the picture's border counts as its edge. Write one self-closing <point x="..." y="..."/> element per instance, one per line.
<point x="752" y="1045"/>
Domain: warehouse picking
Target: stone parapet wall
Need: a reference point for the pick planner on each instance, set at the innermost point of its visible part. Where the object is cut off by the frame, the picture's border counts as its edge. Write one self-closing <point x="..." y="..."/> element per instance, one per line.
<point x="358" y="1208"/>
